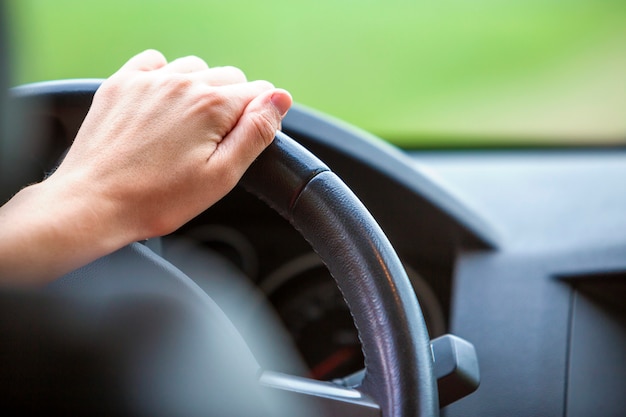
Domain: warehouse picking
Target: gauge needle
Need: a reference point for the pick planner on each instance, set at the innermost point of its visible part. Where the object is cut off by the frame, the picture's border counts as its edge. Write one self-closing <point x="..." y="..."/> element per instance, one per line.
<point x="331" y="362"/>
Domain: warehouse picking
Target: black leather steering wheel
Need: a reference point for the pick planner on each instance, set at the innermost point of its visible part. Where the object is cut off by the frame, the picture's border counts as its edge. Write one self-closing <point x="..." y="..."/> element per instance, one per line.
<point x="398" y="379"/>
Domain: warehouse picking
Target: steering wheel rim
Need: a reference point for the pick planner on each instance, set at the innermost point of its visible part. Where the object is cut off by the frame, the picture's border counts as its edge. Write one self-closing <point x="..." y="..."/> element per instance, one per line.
<point x="398" y="360"/>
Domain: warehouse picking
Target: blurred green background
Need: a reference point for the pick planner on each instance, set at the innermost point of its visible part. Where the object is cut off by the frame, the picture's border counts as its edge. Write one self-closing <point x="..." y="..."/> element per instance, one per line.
<point x="415" y="72"/>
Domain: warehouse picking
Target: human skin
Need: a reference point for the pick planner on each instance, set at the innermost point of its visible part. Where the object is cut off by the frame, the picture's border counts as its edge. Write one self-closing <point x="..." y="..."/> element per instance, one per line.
<point x="161" y="143"/>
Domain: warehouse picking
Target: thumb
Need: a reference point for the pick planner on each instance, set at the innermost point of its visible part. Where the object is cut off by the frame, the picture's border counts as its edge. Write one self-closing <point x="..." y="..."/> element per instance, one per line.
<point x="254" y="131"/>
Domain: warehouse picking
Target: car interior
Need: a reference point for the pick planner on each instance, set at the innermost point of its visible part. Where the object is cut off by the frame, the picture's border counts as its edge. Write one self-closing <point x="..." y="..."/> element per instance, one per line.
<point x="343" y="276"/>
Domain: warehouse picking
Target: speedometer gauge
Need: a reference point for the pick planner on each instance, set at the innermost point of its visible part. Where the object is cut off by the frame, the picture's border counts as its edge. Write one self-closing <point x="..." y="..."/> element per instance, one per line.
<point x="314" y="312"/>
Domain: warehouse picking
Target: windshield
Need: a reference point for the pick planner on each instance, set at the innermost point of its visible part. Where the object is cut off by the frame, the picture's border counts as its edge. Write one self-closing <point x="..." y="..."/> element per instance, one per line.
<point x="417" y="73"/>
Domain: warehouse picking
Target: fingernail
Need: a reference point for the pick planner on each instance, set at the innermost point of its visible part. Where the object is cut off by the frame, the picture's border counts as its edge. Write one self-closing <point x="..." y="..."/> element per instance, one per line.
<point x="282" y="102"/>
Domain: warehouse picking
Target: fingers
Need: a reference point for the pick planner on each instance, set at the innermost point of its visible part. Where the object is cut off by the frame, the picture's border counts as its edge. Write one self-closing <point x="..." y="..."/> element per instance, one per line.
<point x="200" y="71"/>
<point x="186" y="65"/>
<point x="241" y="94"/>
<point x="219" y="76"/>
<point x="148" y="60"/>
<point x="198" y="67"/>
<point x="254" y="131"/>
<point x="221" y="107"/>
<point x="247" y="113"/>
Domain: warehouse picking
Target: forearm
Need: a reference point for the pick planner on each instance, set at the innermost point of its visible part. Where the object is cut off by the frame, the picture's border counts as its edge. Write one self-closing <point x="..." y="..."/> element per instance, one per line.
<point x="160" y="144"/>
<point x="49" y="229"/>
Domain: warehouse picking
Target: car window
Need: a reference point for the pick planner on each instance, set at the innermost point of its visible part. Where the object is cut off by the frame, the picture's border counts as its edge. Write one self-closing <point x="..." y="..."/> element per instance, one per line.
<point x="451" y="73"/>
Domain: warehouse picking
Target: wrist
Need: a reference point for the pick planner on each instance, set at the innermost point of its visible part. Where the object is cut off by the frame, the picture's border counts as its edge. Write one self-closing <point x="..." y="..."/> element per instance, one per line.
<point x="54" y="227"/>
<point x="84" y="214"/>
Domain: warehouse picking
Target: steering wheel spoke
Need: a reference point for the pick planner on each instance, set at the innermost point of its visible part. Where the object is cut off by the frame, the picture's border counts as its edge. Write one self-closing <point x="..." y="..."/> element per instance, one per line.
<point x="324" y="398"/>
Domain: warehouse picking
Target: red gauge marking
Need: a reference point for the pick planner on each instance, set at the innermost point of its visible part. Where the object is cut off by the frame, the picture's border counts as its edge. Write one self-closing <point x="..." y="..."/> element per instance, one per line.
<point x="331" y="363"/>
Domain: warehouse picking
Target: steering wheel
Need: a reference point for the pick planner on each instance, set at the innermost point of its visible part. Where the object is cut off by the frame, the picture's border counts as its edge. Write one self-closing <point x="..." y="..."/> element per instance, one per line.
<point x="398" y="379"/>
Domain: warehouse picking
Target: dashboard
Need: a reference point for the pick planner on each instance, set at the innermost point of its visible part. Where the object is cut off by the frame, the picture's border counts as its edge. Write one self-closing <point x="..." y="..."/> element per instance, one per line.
<point x="520" y="252"/>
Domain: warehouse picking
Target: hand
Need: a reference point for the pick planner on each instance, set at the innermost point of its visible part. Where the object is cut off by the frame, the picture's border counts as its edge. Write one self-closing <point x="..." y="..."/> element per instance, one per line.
<point x="160" y="144"/>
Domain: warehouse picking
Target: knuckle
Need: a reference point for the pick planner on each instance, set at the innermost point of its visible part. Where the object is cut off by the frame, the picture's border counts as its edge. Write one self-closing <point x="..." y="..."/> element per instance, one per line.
<point x="235" y="73"/>
<point x="264" y="126"/>
<point x="194" y="58"/>
<point x="195" y="61"/>
<point x="263" y="85"/>
<point x="176" y="82"/>
<point x="214" y="102"/>
<point x="155" y="55"/>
